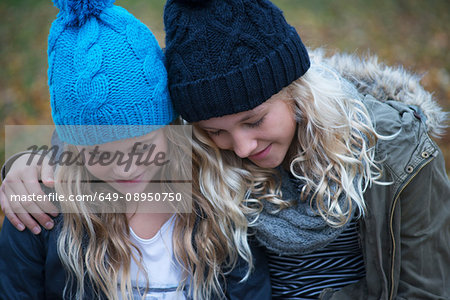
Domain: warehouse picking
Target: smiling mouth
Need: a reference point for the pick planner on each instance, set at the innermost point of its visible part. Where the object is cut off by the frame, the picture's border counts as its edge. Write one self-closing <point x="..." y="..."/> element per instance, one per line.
<point x="261" y="154"/>
<point x="133" y="180"/>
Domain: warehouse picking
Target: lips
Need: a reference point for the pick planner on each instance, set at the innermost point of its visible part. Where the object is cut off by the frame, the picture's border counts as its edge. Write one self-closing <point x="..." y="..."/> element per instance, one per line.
<point x="136" y="179"/>
<point x="261" y="154"/>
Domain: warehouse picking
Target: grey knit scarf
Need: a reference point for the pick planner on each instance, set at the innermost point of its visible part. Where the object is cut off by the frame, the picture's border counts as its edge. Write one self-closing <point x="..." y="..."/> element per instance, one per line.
<point x="294" y="230"/>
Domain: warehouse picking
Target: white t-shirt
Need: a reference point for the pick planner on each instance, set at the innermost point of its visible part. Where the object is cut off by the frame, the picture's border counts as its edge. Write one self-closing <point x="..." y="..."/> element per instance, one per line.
<point x="164" y="272"/>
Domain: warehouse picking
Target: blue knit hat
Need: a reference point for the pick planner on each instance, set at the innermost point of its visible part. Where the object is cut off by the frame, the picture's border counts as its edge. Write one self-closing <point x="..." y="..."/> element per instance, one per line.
<point x="105" y="68"/>
<point x="228" y="56"/>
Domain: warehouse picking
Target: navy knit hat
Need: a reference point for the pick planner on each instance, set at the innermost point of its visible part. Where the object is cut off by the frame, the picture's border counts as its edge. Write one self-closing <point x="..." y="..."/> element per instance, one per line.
<point x="228" y="56"/>
<point x="105" y="68"/>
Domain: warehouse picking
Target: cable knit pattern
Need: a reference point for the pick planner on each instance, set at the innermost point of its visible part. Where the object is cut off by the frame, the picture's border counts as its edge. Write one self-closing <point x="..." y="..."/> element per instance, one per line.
<point x="108" y="70"/>
<point x="224" y="57"/>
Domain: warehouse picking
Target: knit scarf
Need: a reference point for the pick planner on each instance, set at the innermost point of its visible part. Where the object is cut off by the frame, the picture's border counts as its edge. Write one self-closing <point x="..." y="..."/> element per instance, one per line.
<point x="298" y="229"/>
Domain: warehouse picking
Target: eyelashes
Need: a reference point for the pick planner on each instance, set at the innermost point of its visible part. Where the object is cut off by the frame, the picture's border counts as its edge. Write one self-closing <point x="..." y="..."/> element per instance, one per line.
<point x="250" y="125"/>
<point x="214" y="132"/>
<point x="257" y="123"/>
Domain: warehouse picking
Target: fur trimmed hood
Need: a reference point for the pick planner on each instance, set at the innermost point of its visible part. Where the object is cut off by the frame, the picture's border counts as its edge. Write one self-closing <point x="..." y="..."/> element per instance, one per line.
<point x="386" y="83"/>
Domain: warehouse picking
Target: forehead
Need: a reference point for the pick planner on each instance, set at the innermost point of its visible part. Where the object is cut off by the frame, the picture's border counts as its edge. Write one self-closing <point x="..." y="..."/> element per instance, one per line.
<point x="233" y="118"/>
<point x="276" y="100"/>
<point x="126" y="144"/>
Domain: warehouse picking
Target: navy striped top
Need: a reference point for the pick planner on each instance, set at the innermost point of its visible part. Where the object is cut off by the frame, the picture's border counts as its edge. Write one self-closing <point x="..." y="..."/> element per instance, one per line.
<point x="304" y="276"/>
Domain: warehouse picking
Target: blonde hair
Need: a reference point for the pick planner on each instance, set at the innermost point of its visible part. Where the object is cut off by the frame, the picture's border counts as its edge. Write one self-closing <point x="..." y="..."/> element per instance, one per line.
<point x="333" y="152"/>
<point x="95" y="247"/>
<point x="335" y="149"/>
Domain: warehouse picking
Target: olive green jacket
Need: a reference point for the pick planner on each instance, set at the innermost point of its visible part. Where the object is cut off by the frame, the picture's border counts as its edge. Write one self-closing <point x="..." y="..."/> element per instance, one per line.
<point x="405" y="233"/>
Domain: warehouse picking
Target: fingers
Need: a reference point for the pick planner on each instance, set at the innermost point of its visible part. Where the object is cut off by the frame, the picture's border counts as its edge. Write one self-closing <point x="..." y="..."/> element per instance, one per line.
<point x="19" y="191"/>
<point x="47" y="176"/>
<point x="24" y="213"/>
<point x="43" y="219"/>
<point x="30" y="186"/>
<point x="17" y="209"/>
<point x="8" y="212"/>
<point x="47" y="173"/>
<point x="46" y="207"/>
<point x="22" y="217"/>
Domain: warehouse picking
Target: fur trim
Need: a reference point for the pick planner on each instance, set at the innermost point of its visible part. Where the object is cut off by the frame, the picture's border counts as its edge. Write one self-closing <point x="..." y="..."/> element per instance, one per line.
<point x="386" y="83"/>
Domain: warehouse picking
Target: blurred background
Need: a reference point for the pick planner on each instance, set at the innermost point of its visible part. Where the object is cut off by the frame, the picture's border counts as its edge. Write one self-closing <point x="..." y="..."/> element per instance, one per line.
<point x="411" y="33"/>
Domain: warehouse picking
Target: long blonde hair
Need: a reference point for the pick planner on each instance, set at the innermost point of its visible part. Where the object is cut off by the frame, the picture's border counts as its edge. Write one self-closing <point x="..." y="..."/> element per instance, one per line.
<point x="333" y="153"/>
<point x="335" y="144"/>
<point x="95" y="247"/>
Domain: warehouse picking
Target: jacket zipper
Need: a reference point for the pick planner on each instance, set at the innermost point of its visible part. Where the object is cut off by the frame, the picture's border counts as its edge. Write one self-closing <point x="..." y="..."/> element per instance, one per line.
<point x="391" y="221"/>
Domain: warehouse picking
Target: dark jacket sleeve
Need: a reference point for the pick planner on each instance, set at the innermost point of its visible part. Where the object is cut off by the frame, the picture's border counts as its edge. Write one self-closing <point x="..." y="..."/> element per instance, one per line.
<point x="425" y="234"/>
<point x="22" y="264"/>
<point x="257" y="286"/>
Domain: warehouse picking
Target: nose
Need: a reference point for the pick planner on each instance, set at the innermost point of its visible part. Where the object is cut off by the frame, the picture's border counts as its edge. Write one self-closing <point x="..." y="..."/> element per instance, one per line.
<point x="124" y="169"/>
<point x="244" y="144"/>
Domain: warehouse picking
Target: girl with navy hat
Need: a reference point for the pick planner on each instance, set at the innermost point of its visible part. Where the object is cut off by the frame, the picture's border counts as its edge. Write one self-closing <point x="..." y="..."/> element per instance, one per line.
<point x="331" y="156"/>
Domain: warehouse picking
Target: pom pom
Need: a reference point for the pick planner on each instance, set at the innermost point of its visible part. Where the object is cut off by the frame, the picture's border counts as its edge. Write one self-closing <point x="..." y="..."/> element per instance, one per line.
<point x="77" y="12"/>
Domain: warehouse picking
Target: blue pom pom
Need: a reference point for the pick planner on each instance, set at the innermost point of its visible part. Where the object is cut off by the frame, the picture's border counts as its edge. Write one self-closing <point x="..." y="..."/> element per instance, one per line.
<point x="77" y="12"/>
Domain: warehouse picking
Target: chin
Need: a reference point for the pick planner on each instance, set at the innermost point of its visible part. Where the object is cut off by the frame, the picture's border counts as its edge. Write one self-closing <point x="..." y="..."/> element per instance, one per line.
<point x="130" y="188"/>
<point x="267" y="164"/>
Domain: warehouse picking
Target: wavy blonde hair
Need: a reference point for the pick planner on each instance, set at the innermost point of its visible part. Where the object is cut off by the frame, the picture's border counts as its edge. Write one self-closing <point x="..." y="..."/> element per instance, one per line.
<point x="333" y="152"/>
<point x="335" y="149"/>
<point x="96" y="249"/>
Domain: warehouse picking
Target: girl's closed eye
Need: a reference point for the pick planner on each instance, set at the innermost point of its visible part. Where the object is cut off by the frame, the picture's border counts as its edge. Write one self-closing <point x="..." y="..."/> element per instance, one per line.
<point x="251" y="125"/>
<point x="217" y="132"/>
<point x="257" y="123"/>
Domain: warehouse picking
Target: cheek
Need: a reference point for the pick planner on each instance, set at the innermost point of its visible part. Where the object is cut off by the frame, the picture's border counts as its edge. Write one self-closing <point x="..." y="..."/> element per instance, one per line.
<point x="162" y="146"/>
<point x="98" y="171"/>
<point x="220" y="141"/>
<point x="288" y="132"/>
<point x="291" y="126"/>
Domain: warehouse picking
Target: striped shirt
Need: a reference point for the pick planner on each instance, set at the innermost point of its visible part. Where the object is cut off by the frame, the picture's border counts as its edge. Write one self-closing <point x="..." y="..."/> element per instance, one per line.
<point x="304" y="276"/>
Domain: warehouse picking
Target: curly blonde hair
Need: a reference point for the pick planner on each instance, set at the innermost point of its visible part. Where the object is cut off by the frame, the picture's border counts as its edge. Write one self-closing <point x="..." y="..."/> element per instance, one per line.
<point x="95" y="247"/>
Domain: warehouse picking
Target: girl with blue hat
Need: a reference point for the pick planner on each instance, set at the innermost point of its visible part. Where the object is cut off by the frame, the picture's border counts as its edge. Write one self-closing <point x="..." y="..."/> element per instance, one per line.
<point x="109" y="96"/>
